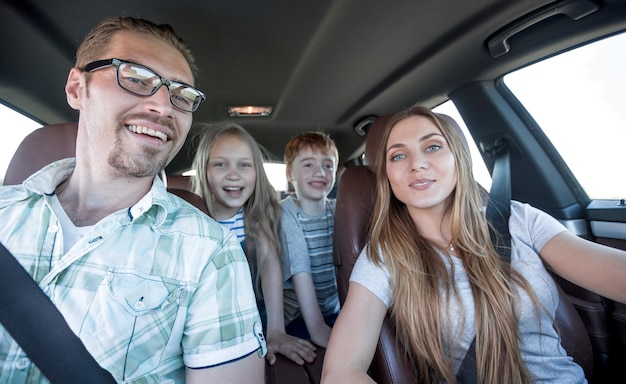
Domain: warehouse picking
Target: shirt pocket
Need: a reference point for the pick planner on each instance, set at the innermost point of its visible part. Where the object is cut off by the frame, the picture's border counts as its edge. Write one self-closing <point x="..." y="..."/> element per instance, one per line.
<point x="135" y="323"/>
<point x="139" y="294"/>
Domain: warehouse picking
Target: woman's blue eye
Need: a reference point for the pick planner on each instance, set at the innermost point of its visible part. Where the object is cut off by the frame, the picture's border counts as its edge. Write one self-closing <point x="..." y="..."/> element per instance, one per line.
<point x="433" y="148"/>
<point x="397" y="157"/>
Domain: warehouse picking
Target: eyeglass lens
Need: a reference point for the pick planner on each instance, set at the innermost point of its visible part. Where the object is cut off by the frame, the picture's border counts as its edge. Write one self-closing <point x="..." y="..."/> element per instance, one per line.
<point x="142" y="81"/>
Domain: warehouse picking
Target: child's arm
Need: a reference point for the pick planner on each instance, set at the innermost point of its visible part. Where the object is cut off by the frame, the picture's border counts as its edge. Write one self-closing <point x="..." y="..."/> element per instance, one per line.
<point x="307" y="300"/>
<point x="278" y="341"/>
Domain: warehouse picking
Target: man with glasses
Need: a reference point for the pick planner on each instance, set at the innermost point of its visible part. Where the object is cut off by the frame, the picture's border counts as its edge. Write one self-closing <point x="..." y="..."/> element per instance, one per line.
<point x="156" y="290"/>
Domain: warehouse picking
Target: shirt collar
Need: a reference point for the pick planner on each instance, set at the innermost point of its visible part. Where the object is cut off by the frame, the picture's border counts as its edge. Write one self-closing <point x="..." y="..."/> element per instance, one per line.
<point x="156" y="197"/>
<point x="46" y="180"/>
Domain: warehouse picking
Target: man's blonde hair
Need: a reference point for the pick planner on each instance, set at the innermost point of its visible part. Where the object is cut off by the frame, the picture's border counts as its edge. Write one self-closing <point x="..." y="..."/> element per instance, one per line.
<point x="99" y="38"/>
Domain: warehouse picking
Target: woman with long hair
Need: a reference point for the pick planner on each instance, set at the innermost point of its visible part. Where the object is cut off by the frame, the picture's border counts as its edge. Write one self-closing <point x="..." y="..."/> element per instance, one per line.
<point x="430" y="262"/>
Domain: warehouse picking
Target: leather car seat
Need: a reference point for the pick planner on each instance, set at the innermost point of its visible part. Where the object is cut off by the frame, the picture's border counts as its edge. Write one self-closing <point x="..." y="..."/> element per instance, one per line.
<point x="58" y="141"/>
<point x="355" y="199"/>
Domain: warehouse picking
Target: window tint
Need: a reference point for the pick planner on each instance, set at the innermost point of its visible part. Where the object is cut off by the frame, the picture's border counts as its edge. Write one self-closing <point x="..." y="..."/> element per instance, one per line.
<point x="15" y="127"/>
<point x="481" y="174"/>
<point x="578" y="99"/>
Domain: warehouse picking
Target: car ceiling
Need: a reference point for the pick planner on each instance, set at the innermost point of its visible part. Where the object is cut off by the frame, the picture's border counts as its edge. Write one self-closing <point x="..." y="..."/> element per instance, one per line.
<point x="322" y="64"/>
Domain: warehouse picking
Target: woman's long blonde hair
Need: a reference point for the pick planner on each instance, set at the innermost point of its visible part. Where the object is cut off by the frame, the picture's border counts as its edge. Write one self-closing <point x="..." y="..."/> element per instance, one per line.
<point x="418" y="273"/>
<point x="262" y="209"/>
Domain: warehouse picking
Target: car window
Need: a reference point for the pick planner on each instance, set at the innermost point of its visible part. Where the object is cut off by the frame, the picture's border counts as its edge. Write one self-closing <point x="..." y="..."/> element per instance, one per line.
<point x="481" y="174"/>
<point x="15" y="127"/>
<point x="577" y="98"/>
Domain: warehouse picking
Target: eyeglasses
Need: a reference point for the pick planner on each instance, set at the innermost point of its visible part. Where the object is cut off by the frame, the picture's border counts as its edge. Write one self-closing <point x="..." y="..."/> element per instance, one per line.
<point x="143" y="81"/>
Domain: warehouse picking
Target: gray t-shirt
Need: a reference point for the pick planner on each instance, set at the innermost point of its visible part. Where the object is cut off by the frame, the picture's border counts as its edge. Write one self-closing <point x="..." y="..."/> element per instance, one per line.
<point x="307" y="246"/>
<point x="541" y="350"/>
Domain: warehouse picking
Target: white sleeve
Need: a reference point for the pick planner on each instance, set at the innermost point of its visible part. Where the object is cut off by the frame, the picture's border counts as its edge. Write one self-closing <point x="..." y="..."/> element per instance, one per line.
<point x="532" y="227"/>
<point x="375" y="279"/>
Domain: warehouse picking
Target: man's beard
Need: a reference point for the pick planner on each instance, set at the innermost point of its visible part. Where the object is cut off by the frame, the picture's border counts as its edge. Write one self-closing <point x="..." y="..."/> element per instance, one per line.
<point x="147" y="164"/>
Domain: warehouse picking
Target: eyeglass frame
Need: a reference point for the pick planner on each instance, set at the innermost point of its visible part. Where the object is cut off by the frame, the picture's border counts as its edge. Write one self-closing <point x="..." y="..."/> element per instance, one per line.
<point x="114" y="62"/>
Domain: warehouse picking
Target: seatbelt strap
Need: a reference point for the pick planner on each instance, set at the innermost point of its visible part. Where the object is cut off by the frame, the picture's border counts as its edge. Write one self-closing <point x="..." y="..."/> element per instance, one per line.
<point x="499" y="205"/>
<point x="467" y="373"/>
<point x="40" y="329"/>
<point x="498" y="213"/>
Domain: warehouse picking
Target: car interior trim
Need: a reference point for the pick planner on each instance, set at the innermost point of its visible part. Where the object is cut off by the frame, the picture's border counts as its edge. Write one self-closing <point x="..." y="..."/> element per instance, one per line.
<point x="609" y="229"/>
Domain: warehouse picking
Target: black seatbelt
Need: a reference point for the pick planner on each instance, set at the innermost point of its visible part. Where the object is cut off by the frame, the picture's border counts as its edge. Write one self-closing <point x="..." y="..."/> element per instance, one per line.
<point x="499" y="205"/>
<point x="498" y="212"/>
<point x="40" y="329"/>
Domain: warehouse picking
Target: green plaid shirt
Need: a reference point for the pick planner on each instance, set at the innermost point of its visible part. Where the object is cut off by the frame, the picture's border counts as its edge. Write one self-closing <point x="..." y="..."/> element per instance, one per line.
<point x="150" y="289"/>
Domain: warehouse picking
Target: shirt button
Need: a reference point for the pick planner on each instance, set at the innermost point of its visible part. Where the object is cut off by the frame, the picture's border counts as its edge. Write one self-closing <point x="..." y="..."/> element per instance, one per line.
<point x="139" y="305"/>
<point x="53" y="229"/>
<point x="22" y="363"/>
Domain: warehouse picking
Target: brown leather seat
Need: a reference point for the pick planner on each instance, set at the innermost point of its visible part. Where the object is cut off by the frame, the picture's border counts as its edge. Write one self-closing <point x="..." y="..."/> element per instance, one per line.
<point x="355" y="199"/>
<point x="285" y="371"/>
<point x="619" y="315"/>
<point x="54" y="142"/>
<point x="179" y="182"/>
<point x="41" y="147"/>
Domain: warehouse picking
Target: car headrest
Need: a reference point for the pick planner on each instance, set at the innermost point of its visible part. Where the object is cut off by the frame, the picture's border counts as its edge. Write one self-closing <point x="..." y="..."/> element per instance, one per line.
<point x="41" y="147"/>
<point x="374" y="138"/>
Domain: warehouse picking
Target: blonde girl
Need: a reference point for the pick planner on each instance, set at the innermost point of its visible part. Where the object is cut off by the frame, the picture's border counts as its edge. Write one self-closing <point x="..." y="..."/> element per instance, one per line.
<point x="231" y="179"/>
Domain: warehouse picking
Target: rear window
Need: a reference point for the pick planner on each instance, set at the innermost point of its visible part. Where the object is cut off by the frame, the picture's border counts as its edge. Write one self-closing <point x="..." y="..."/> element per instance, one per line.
<point x="578" y="98"/>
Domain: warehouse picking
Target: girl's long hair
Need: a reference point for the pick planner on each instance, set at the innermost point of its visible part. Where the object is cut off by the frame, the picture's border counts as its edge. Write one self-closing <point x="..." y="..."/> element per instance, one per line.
<point x="262" y="209"/>
<point x="419" y="275"/>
